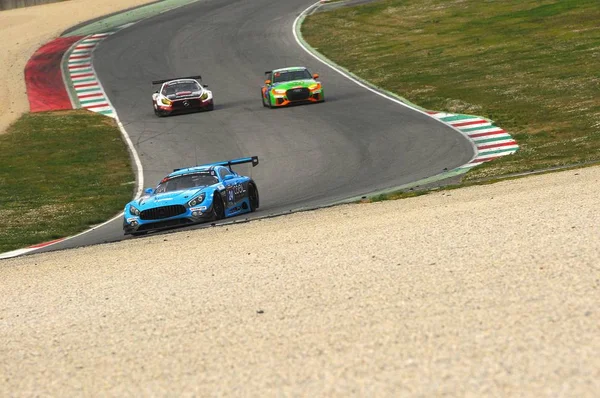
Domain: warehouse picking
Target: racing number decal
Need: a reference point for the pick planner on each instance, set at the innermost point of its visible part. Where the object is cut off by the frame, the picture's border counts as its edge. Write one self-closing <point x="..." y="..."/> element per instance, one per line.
<point x="235" y="193"/>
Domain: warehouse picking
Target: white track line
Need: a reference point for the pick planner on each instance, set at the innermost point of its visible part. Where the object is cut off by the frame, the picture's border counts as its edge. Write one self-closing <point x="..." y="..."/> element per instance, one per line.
<point x="139" y="180"/>
<point x="361" y="84"/>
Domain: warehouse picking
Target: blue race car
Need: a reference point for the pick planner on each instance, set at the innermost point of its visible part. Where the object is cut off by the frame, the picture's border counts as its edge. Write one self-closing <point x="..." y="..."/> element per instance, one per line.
<point x="192" y="195"/>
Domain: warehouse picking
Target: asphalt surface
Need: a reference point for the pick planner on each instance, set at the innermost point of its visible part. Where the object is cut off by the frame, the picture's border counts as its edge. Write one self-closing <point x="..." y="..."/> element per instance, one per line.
<point x="355" y="143"/>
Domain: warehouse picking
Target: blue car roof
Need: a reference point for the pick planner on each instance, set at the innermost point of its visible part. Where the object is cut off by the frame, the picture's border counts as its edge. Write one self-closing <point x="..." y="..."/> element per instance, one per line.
<point x="191" y="170"/>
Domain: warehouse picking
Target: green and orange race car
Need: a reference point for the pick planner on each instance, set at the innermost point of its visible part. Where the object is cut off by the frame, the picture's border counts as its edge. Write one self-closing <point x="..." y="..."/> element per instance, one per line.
<point x="290" y="86"/>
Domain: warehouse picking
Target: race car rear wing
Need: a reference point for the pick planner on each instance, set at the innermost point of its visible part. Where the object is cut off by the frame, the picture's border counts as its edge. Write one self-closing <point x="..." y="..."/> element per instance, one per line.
<point x="229" y="163"/>
<point x="177" y="78"/>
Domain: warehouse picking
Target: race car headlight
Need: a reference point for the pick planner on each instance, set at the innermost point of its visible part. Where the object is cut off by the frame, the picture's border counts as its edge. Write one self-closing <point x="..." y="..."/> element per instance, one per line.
<point x="313" y="87"/>
<point x="165" y="101"/>
<point x="197" y="200"/>
<point x="134" y="211"/>
<point x="204" y="96"/>
<point x="279" y="91"/>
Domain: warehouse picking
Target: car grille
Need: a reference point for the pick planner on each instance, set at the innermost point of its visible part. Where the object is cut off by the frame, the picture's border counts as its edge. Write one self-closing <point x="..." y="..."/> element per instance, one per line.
<point x="297" y="94"/>
<point x="159" y="213"/>
<point x="191" y="103"/>
<point x="164" y="224"/>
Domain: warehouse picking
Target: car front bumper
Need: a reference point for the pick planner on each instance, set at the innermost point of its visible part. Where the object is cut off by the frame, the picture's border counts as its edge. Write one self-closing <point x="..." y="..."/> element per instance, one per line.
<point x="180" y="107"/>
<point x="283" y="100"/>
<point x="134" y="224"/>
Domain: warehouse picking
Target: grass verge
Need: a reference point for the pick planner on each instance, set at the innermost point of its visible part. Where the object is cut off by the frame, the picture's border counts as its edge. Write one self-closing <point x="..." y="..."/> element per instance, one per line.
<point x="60" y="173"/>
<point x="529" y="65"/>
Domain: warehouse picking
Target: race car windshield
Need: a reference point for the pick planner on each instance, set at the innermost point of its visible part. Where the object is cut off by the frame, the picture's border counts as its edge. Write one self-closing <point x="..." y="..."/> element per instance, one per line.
<point x="188" y="181"/>
<point x="289" y="75"/>
<point x="175" y="88"/>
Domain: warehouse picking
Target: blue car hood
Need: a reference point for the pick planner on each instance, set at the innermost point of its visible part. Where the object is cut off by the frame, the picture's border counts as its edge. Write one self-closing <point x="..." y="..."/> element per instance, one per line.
<point x="167" y="198"/>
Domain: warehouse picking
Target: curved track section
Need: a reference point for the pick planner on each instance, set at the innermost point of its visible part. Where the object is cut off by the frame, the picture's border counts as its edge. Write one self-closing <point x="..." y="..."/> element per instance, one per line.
<point x="355" y="143"/>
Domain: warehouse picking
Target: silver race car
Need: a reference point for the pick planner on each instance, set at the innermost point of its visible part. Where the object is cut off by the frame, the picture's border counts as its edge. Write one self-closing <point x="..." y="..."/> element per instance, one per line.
<point x="183" y="94"/>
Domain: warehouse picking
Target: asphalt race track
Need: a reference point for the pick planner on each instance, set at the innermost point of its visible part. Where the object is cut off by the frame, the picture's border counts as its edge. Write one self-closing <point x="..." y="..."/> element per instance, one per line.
<point x="355" y="143"/>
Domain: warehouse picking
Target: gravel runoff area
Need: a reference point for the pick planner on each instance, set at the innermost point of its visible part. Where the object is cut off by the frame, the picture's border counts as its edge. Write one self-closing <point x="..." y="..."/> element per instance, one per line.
<point x="488" y="290"/>
<point x="24" y="30"/>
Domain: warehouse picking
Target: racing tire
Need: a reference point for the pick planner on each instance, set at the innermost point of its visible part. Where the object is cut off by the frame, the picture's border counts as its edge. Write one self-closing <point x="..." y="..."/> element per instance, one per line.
<point x="252" y="197"/>
<point x="262" y="96"/>
<point x="218" y="209"/>
<point x="210" y="107"/>
<point x="139" y="233"/>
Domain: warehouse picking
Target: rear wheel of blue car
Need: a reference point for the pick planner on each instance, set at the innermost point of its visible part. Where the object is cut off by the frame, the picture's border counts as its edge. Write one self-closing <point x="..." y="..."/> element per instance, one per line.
<point x="253" y="197"/>
<point x="218" y="208"/>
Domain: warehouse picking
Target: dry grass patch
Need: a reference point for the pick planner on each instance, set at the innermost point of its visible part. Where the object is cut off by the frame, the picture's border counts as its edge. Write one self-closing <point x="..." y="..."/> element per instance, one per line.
<point x="60" y="172"/>
<point x="531" y="66"/>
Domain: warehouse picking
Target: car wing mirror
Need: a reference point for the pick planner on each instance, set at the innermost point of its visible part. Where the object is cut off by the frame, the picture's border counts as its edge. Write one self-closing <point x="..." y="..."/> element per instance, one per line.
<point x="228" y="177"/>
<point x="205" y="85"/>
<point x="156" y="91"/>
<point x="316" y="76"/>
<point x="267" y="82"/>
<point x="148" y="191"/>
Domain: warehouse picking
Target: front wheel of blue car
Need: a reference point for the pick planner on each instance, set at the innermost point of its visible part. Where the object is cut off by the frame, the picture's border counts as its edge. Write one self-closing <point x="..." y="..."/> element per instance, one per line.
<point x="218" y="208"/>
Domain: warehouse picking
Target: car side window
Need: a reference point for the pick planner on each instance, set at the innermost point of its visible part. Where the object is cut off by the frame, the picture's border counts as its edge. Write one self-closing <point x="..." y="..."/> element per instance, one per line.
<point x="223" y="172"/>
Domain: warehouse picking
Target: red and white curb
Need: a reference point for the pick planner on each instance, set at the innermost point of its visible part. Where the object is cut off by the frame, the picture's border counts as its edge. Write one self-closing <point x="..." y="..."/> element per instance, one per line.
<point x="26" y="250"/>
<point x="82" y="77"/>
<point x="491" y="142"/>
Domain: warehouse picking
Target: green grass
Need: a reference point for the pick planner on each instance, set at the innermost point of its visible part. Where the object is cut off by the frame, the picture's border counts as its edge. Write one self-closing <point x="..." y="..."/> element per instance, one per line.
<point x="60" y="173"/>
<point x="532" y="66"/>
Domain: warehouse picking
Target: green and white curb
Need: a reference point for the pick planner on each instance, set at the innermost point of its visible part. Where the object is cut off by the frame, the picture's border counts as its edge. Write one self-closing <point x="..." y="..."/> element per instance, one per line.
<point x="489" y="141"/>
<point x="85" y="88"/>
